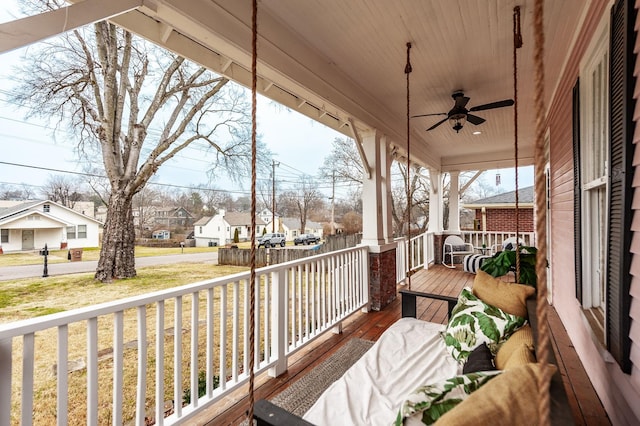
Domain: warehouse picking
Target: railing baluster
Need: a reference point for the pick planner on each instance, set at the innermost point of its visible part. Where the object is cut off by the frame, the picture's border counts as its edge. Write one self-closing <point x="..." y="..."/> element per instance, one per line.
<point x="235" y="333"/>
<point x="210" y="342"/>
<point x="301" y="331"/>
<point x="62" y="387"/>
<point x="141" y="394"/>
<point x="195" y="316"/>
<point x="223" y="338"/>
<point x="258" y="334"/>
<point x="266" y="317"/>
<point x="177" y="356"/>
<point x="246" y="343"/>
<point x="159" y="363"/>
<point x="28" y="343"/>
<point x="6" y="364"/>
<point x="92" y="371"/>
<point x="118" y="362"/>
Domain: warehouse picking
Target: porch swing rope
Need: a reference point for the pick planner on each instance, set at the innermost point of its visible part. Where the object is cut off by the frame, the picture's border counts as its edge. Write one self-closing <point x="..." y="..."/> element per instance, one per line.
<point x="517" y="43"/>
<point x="252" y="275"/>
<point x="544" y="349"/>
<point x="407" y="71"/>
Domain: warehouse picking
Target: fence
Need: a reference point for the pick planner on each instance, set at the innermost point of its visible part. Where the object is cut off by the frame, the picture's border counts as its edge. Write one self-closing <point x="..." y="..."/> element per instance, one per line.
<point x="242" y="257"/>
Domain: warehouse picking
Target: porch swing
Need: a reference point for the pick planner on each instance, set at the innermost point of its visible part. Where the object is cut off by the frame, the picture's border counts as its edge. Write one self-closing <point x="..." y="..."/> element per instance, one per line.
<point x="506" y="393"/>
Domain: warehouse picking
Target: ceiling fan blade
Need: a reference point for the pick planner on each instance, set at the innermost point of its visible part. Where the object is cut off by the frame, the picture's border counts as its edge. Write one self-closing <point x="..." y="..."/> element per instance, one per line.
<point x="461" y="101"/>
<point x="474" y="119"/>
<point x="437" y="124"/>
<point x="492" y="105"/>
<point x="427" y="115"/>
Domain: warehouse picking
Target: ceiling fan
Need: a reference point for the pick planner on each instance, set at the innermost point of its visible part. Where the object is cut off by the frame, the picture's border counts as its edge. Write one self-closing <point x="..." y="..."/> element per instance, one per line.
<point x="459" y="114"/>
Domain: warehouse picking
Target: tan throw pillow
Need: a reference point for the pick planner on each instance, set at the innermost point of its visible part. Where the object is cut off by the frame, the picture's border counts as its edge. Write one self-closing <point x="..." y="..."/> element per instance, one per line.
<point x="523" y="336"/>
<point x="510" y="297"/>
<point x="521" y="356"/>
<point x="508" y="399"/>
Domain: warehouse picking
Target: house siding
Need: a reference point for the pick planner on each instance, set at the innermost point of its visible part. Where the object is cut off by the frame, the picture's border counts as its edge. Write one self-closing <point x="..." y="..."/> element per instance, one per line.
<point x="618" y="392"/>
<point x="504" y="220"/>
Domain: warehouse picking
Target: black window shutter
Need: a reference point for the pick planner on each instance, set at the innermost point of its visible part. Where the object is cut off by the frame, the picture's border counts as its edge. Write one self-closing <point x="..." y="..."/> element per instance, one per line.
<point x="577" y="192"/>
<point x="621" y="83"/>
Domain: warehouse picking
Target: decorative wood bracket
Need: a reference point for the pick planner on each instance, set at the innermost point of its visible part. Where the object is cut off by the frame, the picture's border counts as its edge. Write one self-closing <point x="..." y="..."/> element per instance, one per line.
<point x="358" y="139"/>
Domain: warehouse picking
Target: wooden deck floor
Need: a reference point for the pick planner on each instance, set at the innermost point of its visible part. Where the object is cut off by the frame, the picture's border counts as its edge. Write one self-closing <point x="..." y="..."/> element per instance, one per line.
<point x="586" y="406"/>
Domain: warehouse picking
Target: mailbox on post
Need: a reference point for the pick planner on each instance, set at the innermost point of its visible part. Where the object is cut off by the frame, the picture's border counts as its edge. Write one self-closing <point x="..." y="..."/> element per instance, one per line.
<point x="45" y="252"/>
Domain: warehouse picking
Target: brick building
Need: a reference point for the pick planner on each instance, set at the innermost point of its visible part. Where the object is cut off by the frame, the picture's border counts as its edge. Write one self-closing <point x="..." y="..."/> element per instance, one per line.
<point x="498" y="213"/>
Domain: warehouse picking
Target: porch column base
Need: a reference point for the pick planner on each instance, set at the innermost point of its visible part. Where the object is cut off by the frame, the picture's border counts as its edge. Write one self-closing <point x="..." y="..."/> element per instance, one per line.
<point x="382" y="276"/>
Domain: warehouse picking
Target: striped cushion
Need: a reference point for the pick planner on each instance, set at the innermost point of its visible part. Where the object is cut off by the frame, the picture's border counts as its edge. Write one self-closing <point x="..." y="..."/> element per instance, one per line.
<point x="473" y="262"/>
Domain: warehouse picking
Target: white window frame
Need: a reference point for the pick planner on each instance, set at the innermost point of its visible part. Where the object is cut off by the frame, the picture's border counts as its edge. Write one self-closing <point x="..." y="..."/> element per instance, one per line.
<point x="594" y="140"/>
<point x="4" y="236"/>
<point x="81" y="231"/>
<point x="71" y="236"/>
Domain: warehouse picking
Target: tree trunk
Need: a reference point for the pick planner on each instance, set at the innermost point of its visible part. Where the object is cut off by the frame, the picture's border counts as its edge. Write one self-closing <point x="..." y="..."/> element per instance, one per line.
<point x="117" y="255"/>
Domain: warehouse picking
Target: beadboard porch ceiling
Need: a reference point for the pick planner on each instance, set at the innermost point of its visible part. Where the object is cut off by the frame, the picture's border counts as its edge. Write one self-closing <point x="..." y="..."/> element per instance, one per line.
<point x="342" y="63"/>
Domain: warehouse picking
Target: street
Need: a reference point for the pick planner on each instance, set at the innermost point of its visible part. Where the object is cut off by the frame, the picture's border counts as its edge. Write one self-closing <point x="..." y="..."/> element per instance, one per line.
<point x="28" y="271"/>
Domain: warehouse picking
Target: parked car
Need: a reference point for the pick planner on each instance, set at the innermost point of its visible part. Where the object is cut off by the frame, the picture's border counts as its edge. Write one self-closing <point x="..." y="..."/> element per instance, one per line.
<point x="272" y="240"/>
<point x="306" y="239"/>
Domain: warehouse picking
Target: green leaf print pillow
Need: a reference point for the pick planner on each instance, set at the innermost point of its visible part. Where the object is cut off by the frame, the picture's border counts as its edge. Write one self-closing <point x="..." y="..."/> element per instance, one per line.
<point x="428" y="403"/>
<point x="474" y="322"/>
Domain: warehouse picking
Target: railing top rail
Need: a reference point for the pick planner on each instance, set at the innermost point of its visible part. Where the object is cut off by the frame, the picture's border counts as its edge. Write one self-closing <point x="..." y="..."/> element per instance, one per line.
<point x="32" y="325"/>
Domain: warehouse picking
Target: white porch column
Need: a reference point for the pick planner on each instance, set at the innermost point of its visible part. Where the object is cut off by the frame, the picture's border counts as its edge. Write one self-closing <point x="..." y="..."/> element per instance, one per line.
<point x="454" y="203"/>
<point x="376" y="203"/>
<point x="377" y="231"/>
<point x="436" y="204"/>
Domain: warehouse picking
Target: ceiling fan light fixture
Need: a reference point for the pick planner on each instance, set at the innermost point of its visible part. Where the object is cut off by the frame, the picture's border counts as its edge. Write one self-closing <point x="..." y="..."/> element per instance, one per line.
<point x="457" y="121"/>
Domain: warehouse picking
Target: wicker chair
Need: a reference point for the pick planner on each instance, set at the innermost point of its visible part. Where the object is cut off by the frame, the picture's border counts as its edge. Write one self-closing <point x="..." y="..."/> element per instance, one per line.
<point x="455" y="246"/>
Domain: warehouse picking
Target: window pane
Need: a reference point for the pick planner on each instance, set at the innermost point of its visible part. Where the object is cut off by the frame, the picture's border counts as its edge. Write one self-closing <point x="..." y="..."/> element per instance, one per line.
<point x="82" y="231"/>
<point x="71" y="232"/>
<point x="4" y="236"/>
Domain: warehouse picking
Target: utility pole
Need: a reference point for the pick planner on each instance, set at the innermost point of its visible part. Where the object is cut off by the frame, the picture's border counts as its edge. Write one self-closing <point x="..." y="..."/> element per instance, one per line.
<point x="333" y="202"/>
<point x="273" y="193"/>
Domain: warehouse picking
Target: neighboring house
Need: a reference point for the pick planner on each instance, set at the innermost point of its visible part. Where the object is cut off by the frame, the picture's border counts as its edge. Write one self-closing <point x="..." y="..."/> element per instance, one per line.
<point x="172" y="216"/>
<point x="32" y="224"/>
<point x="268" y="217"/>
<point x="220" y="229"/>
<point x="291" y="228"/>
<point x="161" y="234"/>
<point x="498" y="213"/>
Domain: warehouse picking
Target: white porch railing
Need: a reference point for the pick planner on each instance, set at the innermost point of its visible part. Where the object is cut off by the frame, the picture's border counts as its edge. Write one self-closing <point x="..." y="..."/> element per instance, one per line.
<point x="495" y="238"/>
<point x="422" y="254"/>
<point x="142" y="351"/>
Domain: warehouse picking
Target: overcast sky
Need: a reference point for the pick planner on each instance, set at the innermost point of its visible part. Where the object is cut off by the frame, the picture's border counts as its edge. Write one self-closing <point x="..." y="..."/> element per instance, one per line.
<point x="299" y="144"/>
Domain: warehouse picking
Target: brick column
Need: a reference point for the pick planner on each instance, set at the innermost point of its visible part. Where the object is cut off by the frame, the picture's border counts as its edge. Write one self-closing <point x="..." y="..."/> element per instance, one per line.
<point x="382" y="276"/>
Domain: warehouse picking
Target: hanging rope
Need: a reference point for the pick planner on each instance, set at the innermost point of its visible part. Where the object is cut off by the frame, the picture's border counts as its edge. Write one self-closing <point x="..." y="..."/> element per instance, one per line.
<point x="407" y="71"/>
<point x="543" y="350"/>
<point x="517" y="43"/>
<point x="252" y="275"/>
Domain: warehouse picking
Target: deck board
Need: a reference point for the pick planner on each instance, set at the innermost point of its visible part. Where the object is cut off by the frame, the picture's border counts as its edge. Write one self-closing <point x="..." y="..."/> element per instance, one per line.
<point x="586" y="407"/>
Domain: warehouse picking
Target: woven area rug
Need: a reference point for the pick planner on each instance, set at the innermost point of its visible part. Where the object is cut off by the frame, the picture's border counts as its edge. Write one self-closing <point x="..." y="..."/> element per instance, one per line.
<point x="301" y="395"/>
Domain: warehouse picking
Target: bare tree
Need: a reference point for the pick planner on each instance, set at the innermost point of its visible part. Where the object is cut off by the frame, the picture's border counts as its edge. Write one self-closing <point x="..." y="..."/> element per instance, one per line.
<point x="419" y="192"/>
<point x="303" y="200"/>
<point x="63" y="190"/>
<point x="352" y="222"/>
<point x="136" y="106"/>
<point x="343" y="164"/>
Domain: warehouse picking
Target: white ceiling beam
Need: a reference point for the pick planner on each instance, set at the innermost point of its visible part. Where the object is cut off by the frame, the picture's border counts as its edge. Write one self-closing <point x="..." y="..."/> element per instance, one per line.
<point x="29" y="30"/>
<point x="358" y="140"/>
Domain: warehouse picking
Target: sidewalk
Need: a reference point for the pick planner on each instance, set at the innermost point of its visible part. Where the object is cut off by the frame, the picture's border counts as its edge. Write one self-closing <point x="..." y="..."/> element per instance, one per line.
<point x="29" y="271"/>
